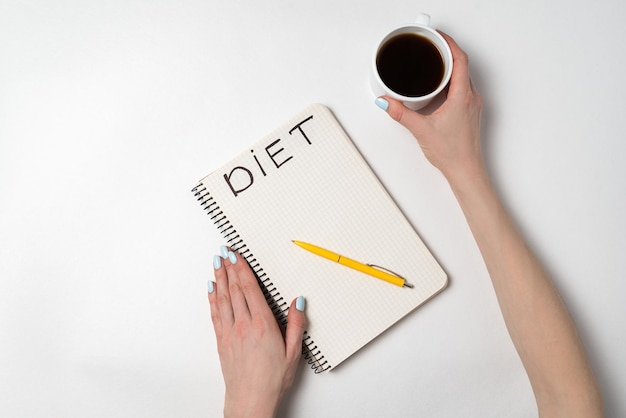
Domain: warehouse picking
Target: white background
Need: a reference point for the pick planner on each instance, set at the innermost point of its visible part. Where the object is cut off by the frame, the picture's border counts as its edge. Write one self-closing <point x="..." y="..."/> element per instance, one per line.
<point x="110" y="111"/>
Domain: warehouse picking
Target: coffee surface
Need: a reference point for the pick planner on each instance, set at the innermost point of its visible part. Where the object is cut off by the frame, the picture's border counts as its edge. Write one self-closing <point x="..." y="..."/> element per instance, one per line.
<point x="410" y="65"/>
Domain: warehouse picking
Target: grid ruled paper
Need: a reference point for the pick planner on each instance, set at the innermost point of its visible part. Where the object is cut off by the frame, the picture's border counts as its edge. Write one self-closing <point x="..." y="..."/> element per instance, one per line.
<point x="306" y="181"/>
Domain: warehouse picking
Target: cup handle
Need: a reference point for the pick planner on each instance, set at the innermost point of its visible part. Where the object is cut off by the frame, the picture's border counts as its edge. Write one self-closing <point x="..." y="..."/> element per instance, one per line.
<point x="423" y="19"/>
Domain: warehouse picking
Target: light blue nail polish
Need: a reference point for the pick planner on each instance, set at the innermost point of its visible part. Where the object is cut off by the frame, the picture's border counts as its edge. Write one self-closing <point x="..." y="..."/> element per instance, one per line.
<point x="224" y="251"/>
<point x="211" y="286"/>
<point x="232" y="257"/>
<point x="300" y="303"/>
<point x="217" y="262"/>
<point x="382" y="103"/>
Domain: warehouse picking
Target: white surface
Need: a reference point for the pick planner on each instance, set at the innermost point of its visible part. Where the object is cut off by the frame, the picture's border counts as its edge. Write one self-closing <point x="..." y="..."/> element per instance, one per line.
<point x="110" y="112"/>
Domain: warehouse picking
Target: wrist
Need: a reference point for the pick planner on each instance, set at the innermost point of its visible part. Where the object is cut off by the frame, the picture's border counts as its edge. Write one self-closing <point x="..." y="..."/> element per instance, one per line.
<point x="464" y="176"/>
<point x="247" y="408"/>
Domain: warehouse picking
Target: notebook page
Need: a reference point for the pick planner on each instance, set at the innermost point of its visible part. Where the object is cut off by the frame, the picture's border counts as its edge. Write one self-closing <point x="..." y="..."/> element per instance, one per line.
<point x="306" y="181"/>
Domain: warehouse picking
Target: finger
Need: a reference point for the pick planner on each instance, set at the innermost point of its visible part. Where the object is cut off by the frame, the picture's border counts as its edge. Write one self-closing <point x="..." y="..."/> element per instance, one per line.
<point x="296" y="324"/>
<point x="215" y="312"/>
<point x="460" y="79"/>
<point x="408" y="118"/>
<point x="255" y="300"/>
<point x="238" y="299"/>
<point x="222" y="294"/>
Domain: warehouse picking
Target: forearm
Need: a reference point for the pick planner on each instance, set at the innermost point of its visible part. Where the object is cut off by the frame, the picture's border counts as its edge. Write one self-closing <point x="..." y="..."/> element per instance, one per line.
<point x="536" y="317"/>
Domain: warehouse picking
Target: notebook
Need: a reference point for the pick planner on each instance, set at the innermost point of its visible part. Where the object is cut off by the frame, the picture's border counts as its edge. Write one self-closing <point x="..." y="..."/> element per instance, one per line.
<point x="306" y="181"/>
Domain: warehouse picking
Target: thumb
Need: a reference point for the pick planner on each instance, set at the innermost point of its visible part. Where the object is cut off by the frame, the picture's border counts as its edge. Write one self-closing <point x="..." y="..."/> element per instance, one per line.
<point x="296" y="323"/>
<point x="406" y="117"/>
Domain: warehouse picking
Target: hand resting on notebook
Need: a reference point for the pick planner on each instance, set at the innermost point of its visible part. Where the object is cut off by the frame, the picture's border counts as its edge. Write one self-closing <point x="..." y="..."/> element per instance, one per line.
<point x="258" y="364"/>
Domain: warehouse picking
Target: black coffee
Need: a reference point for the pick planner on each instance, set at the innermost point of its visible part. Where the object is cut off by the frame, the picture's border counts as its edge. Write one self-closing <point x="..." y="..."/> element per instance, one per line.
<point x="410" y="65"/>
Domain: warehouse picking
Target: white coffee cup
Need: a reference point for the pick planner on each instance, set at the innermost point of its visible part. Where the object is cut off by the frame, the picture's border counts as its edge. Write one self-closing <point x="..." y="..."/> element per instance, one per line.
<point x="420" y="27"/>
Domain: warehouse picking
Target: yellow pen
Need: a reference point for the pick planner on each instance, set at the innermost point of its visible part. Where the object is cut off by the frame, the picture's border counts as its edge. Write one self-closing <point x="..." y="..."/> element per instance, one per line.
<point x="363" y="268"/>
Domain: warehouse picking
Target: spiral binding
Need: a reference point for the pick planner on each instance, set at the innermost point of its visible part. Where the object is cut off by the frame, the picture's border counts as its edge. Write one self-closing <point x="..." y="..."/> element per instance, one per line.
<point x="277" y="304"/>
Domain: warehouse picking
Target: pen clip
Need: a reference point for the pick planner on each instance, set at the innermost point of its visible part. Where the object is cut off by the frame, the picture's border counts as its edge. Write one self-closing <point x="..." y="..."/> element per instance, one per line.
<point x="406" y="284"/>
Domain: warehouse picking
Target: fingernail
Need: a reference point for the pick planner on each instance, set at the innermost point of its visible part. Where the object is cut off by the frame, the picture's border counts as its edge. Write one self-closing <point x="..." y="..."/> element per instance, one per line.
<point x="382" y="103"/>
<point x="232" y="257"/>
<point x="300" y="303"/>
<point x="211" y="288"/>
<point x="217" y="262"/>
<point x="224" y="251"/>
